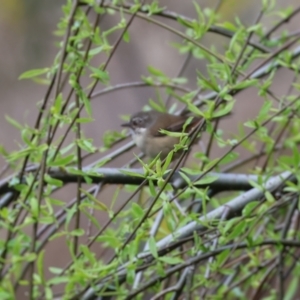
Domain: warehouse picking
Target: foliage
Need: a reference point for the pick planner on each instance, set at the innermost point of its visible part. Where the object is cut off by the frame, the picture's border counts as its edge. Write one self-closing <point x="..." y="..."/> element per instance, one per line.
<point x="191" y="239"/>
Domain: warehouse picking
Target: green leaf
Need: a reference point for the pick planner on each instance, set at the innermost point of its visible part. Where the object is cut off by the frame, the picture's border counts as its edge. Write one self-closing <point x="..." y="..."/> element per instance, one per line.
<point x="256" y="185"/>
<point x="48" y="292"/>
<point x="33" y="73"/>
<point x="84" y="120"/>
<point x="101" y="163"/>
<point x="126" y="36"/>
<point x="153" y="8"/>
<point x="137" y="210"/>
<point x="186" y="178"/>
<point x="210" y="84"/>
<point x="251" y="124"/>
<point x="130" y="173"/>
<point x="26" y="137"/>
<point x="95" y="51"/>
<point x="88" y="254"/>
<point x="156" y="106"/>
<point x="70" y="213"/>
<point x="232" y="156"/>
<point x="110" y="240"/>
<point x="185" y="22"/>
<point x="226" y="109"/>
<point x="40" y="265"/>
<point x="206" y="180"/>
<point x="249" y="208"/>
<point x="62" y="161"/>
<point x="211" y="164"/>
<point x="110" y="137"/>
<point x="148" y="80"/>
<point x="55" y="270"/>
<point x="173" y="134"/>
<point x="101" y="75"/>
<point x="229" y="26"/>
<point x="222" y="257"/>
<point x="180" y="80"/>
<point x="3" y="151"/>
<point x="53" y="181"/>
<point x="168" y="161"/>
<point x="225" y="227"/>
<point x="57" y="106"/>
<point x="171" y="260"/>
<point x="14" y="122"/>
<point x="34" y="205"/>
<point x="86" y="145"/>
<point x="152" y="247"/>
<point x="237" y="230"/>
<point x="155" y="72"/>
<point x="93" y="219"/>
<point x="58" y="235"/>
<point x="291" y="290"/>
<point x="152" y="188"/>
<point x="245" y="84"/>
<point x="270" y="198"/>
<point x="77" y="232"/>
<point x="87" y="103"/>
<point x="194" y="109"/>
<point x="100" y="205"/>
<point x="264" y="110"/>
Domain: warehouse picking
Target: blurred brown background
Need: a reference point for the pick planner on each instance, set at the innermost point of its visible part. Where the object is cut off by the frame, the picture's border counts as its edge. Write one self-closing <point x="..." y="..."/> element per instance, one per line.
<point x="27" y="42"/>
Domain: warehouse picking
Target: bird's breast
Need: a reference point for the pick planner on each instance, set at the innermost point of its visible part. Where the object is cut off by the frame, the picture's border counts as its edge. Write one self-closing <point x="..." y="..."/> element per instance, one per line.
<point x="139" y="137"/>
<point x="162" y="145"/>
<point x="153" y="145"/>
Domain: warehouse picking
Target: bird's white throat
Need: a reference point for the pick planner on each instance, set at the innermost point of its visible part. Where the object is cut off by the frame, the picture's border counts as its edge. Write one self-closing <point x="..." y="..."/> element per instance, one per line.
<point x="139" y="136"/>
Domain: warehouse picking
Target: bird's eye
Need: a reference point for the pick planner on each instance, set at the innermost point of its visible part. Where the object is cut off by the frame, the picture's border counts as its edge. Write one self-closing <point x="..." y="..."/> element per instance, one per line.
<point x="136" y="121"/>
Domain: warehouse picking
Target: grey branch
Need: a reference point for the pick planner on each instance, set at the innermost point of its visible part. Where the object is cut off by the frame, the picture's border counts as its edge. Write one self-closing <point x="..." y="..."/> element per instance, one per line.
<point x="236" y="205"/>
<point x="219" y="182"/>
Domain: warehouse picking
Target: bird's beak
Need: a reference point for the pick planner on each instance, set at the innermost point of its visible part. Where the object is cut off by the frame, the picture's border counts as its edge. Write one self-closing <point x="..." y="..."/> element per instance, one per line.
<point x="126" y="125"/>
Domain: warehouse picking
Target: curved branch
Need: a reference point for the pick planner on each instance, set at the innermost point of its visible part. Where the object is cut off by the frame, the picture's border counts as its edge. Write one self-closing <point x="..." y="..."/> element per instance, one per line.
<point x="236" y="205"/>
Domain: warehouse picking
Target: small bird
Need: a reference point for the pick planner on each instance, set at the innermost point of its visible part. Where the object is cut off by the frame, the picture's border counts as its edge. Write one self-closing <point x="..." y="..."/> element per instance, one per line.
<point x="145" y="130"/>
